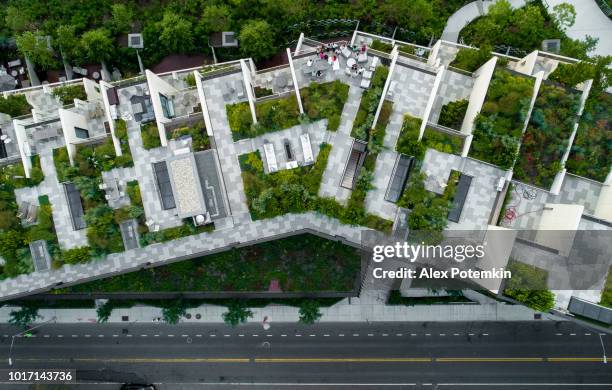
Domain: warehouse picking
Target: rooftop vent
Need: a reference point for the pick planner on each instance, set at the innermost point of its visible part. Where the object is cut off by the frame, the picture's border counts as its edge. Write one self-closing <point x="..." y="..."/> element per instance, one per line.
<point x="135" y="41"/>
<point x="551" y="45"/>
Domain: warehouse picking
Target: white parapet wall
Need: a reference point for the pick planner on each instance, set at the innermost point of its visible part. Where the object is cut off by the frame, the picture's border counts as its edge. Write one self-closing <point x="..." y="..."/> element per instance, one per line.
<point x="295" y="82"/>
<point x="202" y="96"/>
<point x="432" y="99"/>
<point x="482" y="79"/>
<point x="433" y="54"/>
<point x="24" y="147"/>
<point x="394" y="56"/>
<point x="246" y="78"/>
<point x="69" y="120"/>
<point x="527" y="63"/>
<point x="158" y="86"/>
<point x="104" y="87"/>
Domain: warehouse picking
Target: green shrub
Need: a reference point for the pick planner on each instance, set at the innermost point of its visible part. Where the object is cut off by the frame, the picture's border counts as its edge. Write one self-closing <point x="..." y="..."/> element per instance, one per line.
<point x="442" y="142"/>
<point x="15" y="105"/>
<point x="190" y="80"/>
<point x="498" y="127"/>
<point x="77" y="255"/>
<point x="325" y="101"/>
<point x="68" y="93"/>
<point x="547" y="135"/>
<point x="408" y="143"/>
<point x="470" y="60"/>
<point x="309" y="312"/>
<point x="452" y="114"/>
<point x="237" y="313"/>
<point x="150" y="136"/>
<point x="591" y="154"/>
<point x="199" y="137"/>
<point x="528" y="285"/>
<point x="381" y="46"/>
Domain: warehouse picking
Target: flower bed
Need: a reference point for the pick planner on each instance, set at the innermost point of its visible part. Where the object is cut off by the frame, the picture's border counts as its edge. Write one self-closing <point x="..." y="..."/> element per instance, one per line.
<point x="408" y="143"/>
<point x="591" y="154"/>
<point x="471" y="59"/>
<point x="498" y="127"/>
<point x="325" y="101"/>
<point x="272" y="115"/>
<point x="15" y="105"/>
<point x="547" y="135"/>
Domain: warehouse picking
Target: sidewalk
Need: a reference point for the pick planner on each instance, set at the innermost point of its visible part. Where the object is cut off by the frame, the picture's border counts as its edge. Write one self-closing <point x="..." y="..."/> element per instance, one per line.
<point x="469" y="12"/>
<point x="589" y="21"/>
<point x="343" y="311"/>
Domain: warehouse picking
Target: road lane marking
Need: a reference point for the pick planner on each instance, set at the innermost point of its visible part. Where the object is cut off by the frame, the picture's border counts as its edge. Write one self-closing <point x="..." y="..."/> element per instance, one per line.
<point x="412" y="334"/>
<point x="341" y="335"/>
<point x="325" y="335"/>
<point x="485" y="334"/>
<point x="572" y="334"/>
<point x="370" y="335"/>
<point x="283" y="335"/>
<point x="399" y="334"/>
<point x="226" y="335"/>
<point x="587" y="334"/>
<point x="455" y="334"/>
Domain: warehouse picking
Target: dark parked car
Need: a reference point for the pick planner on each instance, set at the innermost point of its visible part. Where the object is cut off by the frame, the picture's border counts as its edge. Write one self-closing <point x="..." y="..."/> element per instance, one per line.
<point x="135" y="386"/>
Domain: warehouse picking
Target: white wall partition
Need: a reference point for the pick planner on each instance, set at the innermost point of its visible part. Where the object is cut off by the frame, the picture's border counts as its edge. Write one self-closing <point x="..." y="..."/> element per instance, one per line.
<point x="70" y="120"/>
<point x="527" y="64"/>
<point x="24" y="147"/>
<point x="156" y="86"/>
<point x="433" y="54"/>
<point x="92" y="89"/>
<point x="394" y="55"/>
<point x="482" y="78"/>
<point x="246" y="76"/>
<point x="202" y="96"/>
<point x="104" y="87"/>
<point x="295" y="82"/>
<point x="432" y="99"/>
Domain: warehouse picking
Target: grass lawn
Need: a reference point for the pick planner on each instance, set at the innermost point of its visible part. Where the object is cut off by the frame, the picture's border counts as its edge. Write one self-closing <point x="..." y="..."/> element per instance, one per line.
<point x="302" y="263"/>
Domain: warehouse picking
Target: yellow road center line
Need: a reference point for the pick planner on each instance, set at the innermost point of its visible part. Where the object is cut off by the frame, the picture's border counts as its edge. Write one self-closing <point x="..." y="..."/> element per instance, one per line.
<point x="479" y="359"/>
<point x="571" y="359"/>
<point x="341" y="360"/>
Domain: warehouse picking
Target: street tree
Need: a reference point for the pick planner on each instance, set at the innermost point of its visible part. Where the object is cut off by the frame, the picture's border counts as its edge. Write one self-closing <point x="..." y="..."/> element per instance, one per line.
<point x="237" y="313"/>
<point x="24" y="316"/>
<point x="309" y="312"/>
<point x="174" y="311"/>
<point x="257" y="39"/>
<point x="564" y="14"/>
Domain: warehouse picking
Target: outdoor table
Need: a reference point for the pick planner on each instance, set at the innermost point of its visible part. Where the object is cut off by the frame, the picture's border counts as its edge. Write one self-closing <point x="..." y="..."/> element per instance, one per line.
<point x="96" y="75"/>
<point x="14" y="73"/>
<point x="350" y="62"/>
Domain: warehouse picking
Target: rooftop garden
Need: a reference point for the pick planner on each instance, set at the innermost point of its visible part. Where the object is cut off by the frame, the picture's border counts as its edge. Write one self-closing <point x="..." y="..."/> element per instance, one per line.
<point x="325" y="101"/>
<point x="499" y="125"/>
<point x="150" y="135"/>
<point x="296" y="191"/>
<point x="68" y="93"/>
<point x="546" y="139"/>
<point x="197" y="132"/>
<point x="290" y="261"/>
<point x="591" y="154"/>
<point x="452" y="114"/>
<point x="381" y="46"/>
<point x="525" y="28"/>
<point x="15" y="105"/>
<point x="272" y="115"/>
<point x="429" y="210"/>
<point x="362" y="125"/>
<point x="472" y="59"/>
<point x="409" y="134"/>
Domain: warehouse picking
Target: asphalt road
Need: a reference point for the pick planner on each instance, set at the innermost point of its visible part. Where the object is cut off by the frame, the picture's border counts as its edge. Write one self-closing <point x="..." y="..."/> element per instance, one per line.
<point x="476" y="355"/>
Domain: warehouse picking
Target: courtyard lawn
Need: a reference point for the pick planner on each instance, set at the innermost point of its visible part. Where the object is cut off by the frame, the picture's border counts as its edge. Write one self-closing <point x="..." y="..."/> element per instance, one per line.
<point x="325" y="101"/>
<point x="272" y="115"/>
